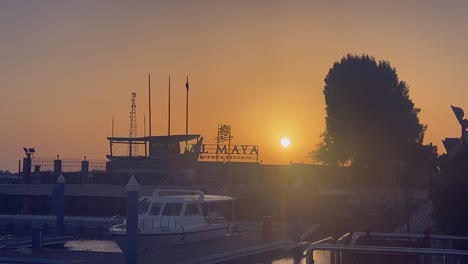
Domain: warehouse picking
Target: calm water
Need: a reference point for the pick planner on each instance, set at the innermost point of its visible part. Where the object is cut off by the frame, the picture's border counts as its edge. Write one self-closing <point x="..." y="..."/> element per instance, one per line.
<point x="93" y="245"/>
<point x="297" y="257"/>
<point x="320" y="257"/>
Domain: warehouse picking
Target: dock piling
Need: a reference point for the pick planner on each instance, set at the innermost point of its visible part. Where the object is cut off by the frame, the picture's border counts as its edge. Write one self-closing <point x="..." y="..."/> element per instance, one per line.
<point x="36" y="239"/>
<point x="60" y="209"/>
<point x="131" y="254"/>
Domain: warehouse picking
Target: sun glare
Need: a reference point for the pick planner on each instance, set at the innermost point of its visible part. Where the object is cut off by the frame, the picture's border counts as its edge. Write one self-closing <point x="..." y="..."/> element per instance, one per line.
<point x="285" y="142"/>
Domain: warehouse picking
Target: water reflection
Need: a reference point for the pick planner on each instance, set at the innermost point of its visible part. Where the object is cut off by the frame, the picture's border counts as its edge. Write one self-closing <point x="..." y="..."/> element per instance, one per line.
<point x="320" y="257"/>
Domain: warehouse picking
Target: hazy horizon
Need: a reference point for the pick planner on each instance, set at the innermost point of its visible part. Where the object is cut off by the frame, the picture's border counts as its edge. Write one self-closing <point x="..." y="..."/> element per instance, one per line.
<point x="69" y="67"/>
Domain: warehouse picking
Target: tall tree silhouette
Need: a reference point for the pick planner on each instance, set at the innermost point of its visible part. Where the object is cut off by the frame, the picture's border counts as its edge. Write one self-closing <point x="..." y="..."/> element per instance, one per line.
<point x="370" y="118"/>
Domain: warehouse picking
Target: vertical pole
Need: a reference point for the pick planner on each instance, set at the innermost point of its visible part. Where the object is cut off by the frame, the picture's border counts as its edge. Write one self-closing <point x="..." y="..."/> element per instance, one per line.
<point x="407" y="209"/>
<point x="217" y="145"/>
<point x="84" y="171"/>
<point x="60" y="210"/>
<point x="229" y="145"/>
<point x="463" y="142"/>
<point x="19" y="171"/>
<point x="36" y="239"/>
<point x="54" y="200"/>
<point x="149" y="103"/>
<point x="169" y="110"/>
<point x="131" y="253"/>
<point x="186" y="112"/>
<point x="27" y="169"/>
<point x="311" y="259"/>
<point x="57" y="167"/>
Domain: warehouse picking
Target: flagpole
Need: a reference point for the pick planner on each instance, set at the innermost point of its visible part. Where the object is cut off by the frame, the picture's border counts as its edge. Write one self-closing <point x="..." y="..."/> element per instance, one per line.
<point x="169" y="108"/>
<point x="149" y="103"/>
<point x="186" y="112"/>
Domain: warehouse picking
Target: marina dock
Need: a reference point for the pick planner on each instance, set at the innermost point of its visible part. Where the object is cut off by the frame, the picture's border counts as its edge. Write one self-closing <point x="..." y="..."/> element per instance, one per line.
<point x="244" y="244"/>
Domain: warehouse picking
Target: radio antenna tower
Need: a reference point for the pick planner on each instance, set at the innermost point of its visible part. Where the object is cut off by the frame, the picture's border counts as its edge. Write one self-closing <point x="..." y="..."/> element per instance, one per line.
<point x="133" y="148"/>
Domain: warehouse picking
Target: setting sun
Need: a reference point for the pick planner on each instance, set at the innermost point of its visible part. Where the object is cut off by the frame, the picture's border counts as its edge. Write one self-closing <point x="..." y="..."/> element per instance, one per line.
<point x="285" y="142"/>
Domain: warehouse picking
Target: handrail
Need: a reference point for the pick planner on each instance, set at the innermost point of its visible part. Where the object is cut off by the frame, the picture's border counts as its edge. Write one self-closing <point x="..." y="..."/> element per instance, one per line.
<point x="341" y="240"/>
<point x="433" y="236"/>
<point x="412" y="235"/>
<point x="163" y="222"/>
<point x="200" y="194"/>
<point x="322" y="240"/>
<point x="379" y="249"/>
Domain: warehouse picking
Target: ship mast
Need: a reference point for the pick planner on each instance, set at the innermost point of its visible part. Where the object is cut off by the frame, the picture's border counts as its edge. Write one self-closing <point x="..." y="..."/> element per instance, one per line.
<point x="149" y="103"/>
<point x="169" y="110"/>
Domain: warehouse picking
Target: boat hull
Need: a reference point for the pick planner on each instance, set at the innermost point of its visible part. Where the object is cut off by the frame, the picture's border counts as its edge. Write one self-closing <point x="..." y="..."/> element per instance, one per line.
<point x="154" y="240"/>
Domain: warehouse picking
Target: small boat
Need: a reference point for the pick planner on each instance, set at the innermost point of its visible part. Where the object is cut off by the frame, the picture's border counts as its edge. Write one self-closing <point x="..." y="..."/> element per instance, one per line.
<point x="174" y="217"/>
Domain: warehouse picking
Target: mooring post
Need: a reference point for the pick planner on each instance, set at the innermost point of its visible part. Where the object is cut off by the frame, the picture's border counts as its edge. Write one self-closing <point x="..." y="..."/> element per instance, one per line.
<point x="60" y="205"/>
<point x="36" y="239"/>
<point x="84" y="171"/>
<point x="131" y="253"/>
<point x="57" y="167"/>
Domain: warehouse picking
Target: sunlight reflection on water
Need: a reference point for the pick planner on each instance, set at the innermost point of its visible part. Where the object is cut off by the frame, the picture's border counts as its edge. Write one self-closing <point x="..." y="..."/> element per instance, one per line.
<point x="320" y="257"/>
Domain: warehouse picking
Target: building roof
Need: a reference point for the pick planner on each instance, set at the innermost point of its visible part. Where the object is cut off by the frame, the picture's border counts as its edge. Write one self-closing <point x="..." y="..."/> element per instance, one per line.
<point x="156" y="139"/>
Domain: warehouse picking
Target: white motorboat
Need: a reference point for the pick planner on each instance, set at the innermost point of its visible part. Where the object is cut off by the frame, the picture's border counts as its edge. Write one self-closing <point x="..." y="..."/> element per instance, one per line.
<point x="173" y="217"/>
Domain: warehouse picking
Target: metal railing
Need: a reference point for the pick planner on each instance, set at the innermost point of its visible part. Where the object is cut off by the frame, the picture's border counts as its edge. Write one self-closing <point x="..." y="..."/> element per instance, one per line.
<point x="448" y="255"/>
<point x="160" y="223"/>
<point x="418" y="240"/>
<point x="150" y="224"/>
<point x="384" y="250"/>
<point x="447" y="239"/>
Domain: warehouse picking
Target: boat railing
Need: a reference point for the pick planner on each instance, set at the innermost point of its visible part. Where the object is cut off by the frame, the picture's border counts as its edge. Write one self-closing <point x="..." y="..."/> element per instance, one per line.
<point x="335" y="256"/>
<point x="171" y="223"/>
<point x="446" y="254"/>
<point x="149" y="224"/>
<point x="169" y="192"/>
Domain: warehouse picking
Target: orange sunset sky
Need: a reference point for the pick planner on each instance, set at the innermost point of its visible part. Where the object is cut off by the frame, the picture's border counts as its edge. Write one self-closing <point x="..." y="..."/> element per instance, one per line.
<point x="68" y="67"/>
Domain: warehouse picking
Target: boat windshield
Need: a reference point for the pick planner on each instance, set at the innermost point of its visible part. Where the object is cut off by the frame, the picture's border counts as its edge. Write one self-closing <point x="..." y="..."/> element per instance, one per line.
<point x="192" y="209"/>
<point x="172" y="209"/>
<point x="143" y="206"/>
<point x="155" y="208"/>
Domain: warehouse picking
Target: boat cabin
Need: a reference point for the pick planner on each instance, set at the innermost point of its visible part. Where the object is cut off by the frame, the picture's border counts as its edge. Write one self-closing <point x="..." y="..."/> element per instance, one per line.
<point x="160" y="160"/>
<point x="184" y="206"/>
<point x="155" y="146"/>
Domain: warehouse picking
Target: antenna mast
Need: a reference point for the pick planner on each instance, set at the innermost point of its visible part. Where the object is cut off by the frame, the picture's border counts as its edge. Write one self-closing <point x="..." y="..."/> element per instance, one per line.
<point x="133" y="148"/>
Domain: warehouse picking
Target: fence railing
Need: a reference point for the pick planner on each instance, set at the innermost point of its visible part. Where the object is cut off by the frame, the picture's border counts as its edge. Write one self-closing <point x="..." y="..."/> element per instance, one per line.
<point x="68" y="164"/>
<point x="439" y="245"/>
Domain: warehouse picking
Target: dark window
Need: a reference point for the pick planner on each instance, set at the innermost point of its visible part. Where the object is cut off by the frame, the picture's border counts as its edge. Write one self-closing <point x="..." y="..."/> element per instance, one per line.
<point x="143" y="206"/>
<point x="155" y="209"/>
<point x="172" y="209"/>
<point x="192" y="209"/>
